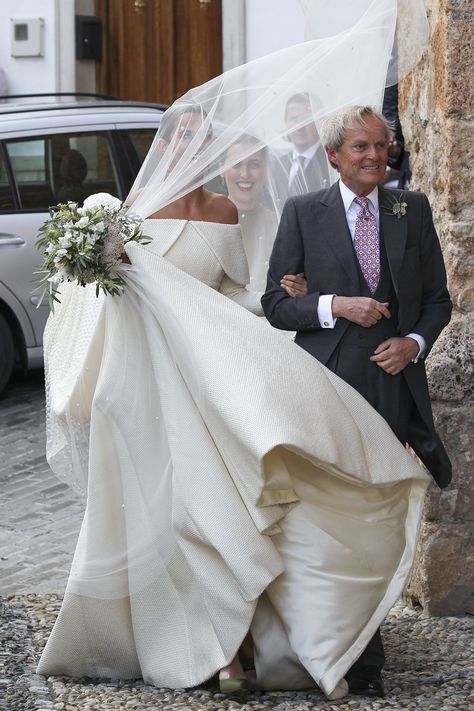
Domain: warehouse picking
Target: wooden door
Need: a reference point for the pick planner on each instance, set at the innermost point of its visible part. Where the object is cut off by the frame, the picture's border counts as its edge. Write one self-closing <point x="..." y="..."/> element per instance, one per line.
<point x="155" y="50"/>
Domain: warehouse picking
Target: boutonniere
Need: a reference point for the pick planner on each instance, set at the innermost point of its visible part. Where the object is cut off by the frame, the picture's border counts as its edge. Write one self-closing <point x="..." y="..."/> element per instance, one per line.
<point x="397" y="207"/>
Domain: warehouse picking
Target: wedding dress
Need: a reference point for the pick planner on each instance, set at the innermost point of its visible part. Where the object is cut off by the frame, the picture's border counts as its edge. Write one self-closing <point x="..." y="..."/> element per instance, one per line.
<point x="234" y="483"/>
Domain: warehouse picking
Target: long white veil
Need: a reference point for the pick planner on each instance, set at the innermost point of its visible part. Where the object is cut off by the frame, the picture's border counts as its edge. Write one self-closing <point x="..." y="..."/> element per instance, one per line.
<point x="256" y="118"/>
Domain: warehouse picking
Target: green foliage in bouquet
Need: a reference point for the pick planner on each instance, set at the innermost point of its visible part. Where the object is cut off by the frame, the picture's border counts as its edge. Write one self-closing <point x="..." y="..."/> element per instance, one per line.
<point x="85" y="244"/>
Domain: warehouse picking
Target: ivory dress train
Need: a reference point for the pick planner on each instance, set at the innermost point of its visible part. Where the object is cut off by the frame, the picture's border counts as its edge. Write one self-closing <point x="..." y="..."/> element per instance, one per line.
<point x="233" y="481"/>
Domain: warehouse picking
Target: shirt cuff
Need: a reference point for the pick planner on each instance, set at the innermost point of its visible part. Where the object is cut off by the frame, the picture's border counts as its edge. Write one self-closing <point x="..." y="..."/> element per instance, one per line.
<point x="421" y="345"/>
<point x="325" y="317"/>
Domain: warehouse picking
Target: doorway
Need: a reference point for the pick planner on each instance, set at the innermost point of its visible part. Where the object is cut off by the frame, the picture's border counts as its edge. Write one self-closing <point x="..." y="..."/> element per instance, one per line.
<point x="155" y="50"/>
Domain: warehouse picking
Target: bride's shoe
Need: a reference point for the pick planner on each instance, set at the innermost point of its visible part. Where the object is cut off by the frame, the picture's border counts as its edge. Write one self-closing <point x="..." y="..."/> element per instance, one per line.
<point x="232" y="685"/>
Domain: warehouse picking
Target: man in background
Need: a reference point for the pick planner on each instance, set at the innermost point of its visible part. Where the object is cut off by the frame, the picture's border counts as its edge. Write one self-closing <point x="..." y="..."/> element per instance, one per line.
<point x="305" y="168"/>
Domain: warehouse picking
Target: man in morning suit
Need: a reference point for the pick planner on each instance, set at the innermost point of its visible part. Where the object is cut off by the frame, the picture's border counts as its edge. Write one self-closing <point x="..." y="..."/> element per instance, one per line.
<point x="305" y="167"/>
<point x="377" y="297"/>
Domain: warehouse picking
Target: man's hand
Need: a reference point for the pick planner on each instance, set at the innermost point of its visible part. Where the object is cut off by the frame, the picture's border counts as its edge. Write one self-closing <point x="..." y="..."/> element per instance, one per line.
<point x="395" y="353"/>
<point x="295" y="284"/>
<point x="360" y="309"/>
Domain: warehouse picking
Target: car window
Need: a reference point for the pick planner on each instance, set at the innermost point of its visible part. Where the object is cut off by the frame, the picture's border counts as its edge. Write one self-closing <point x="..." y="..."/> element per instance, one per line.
<point x="142" y="138"/>
<point x="29" y="166"/>
<point x="6" y="195"/>
<point x="62" y="167"/>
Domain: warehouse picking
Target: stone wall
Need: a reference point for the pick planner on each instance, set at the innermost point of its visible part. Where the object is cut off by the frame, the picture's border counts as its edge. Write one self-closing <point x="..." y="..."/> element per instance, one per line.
<point x="437" y="114"/>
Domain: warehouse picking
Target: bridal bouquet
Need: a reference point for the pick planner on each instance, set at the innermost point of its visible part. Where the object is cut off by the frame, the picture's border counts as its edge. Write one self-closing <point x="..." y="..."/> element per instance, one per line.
<point x="84" y="244"/>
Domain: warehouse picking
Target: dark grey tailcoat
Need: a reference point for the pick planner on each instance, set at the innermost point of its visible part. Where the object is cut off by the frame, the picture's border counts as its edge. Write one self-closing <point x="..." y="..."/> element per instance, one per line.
<point x="314" y="238"/>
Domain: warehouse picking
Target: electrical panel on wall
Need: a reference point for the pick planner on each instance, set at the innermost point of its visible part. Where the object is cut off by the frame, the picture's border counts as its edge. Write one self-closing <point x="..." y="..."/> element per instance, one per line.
<point x="27" y="37"/>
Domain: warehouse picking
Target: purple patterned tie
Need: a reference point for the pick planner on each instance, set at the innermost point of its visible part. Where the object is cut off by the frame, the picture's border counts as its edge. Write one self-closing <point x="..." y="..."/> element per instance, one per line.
<point x="366" y="244"/>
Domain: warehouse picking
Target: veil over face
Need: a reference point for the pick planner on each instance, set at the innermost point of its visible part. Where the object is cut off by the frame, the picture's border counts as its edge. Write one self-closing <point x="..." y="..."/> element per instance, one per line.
<point x="354" y="49"/>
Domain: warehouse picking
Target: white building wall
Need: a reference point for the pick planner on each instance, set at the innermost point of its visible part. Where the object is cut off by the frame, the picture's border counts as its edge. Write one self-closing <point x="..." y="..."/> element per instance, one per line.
<point x="55" y="70"/>
<point x="66" y="44"/>
<point x="271" y="25"/>
<point x="251" y="28"/>
<point x="233" y="33"/>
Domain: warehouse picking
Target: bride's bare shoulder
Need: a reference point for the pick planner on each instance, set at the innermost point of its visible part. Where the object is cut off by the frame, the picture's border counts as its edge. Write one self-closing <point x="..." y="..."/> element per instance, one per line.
<point x="211" y="207"/>
<point x="222" y="209"/>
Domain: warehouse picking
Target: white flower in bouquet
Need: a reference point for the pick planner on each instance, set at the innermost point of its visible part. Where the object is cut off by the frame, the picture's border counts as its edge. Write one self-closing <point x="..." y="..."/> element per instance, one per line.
<point x="83" y="222"/>
<point x="104" y="200"/>
<point x="66" y="241"/>
<point x="85" y="244"/>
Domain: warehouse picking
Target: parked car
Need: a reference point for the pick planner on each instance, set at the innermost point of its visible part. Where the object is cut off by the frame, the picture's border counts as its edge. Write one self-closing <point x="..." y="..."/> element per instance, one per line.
<point x="54" y="149"/>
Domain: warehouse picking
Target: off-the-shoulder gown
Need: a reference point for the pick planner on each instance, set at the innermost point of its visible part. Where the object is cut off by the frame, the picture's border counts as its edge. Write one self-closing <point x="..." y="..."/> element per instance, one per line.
<point x="233" y="482"/>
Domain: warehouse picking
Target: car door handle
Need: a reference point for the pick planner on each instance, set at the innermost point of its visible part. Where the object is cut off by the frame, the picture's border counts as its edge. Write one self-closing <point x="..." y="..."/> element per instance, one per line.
<point x="8" y="240"/>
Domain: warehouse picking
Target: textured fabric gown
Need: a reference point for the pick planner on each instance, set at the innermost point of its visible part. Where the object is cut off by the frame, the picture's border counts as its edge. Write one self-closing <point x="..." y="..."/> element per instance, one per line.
<point x="233" y="482"/>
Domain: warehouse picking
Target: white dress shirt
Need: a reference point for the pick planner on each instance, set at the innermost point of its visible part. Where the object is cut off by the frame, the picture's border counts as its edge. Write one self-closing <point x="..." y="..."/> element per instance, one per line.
<point x="325" y="316"/>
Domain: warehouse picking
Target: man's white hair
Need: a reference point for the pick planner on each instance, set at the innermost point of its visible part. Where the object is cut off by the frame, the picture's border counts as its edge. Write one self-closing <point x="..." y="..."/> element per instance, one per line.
<point x="332" y="130"/>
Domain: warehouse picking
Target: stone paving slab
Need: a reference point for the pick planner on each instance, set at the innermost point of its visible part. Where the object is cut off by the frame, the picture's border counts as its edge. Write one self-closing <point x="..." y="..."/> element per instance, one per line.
<point x="429" y="660"/>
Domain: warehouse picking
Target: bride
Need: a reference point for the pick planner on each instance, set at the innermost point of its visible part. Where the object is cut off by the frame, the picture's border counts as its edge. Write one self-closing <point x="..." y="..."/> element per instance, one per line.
<point x="233" y="483"/>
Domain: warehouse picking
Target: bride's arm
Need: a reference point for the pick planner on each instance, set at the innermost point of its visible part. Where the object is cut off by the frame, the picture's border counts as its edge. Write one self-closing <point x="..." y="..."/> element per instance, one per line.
<point x="250" y="300"/>
<point x="235" y="272"/>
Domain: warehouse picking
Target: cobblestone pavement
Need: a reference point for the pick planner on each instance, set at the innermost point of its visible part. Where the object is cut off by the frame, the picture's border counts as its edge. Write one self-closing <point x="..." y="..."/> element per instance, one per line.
<point x="429" y="660"/>
<point x="39" y="515"/>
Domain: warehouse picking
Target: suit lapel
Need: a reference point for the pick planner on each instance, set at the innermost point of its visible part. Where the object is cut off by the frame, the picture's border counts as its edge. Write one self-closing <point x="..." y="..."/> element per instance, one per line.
<point x="394" y="232"/>
<point x="335" y="232"/>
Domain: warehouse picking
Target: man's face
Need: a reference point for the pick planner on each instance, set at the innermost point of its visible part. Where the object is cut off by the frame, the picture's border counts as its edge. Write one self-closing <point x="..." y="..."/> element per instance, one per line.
<point x="362" y="158"/>
<point x="305" y="136"/>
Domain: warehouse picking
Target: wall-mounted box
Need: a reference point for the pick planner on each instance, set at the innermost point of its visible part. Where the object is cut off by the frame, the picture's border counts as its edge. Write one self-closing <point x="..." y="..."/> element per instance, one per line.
<point x="88" y="37"/>
<point x="27" y="37"/>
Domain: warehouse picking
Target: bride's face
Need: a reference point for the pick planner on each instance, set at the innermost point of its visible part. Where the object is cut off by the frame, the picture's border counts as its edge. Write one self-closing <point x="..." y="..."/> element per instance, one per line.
<point x="187" y="125"/>
<point x="245" y="178"/>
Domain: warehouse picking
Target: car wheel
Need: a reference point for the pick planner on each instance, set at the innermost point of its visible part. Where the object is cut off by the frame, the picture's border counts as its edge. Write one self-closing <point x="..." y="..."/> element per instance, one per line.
<point x="7" y="352"/>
